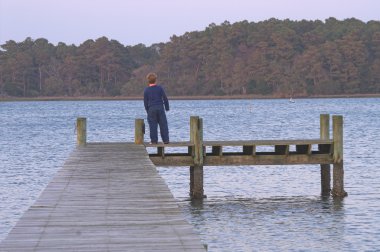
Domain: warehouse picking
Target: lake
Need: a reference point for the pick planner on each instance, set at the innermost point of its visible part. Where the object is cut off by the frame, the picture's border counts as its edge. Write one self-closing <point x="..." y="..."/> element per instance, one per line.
<point x="248" y="208"/>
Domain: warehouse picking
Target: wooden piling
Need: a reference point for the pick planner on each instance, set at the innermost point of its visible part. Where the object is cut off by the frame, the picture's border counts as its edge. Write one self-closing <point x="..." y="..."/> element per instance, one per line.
<point x="338" y="171"/>
<point x="196" y="171"/>
<point x="81" y="131"/>
<point x="325" y="168"/>
<point x="139" y="131"/>
<point x="191" y="184"/>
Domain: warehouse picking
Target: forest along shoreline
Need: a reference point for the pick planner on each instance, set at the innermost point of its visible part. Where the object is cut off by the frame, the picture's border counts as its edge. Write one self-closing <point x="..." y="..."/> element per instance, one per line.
<point x="197" y="97"/>
<point x="269" y="59"/>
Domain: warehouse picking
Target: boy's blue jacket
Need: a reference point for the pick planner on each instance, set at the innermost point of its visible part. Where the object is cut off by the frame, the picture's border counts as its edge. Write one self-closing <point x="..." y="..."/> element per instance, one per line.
<point x="154" y="96"/>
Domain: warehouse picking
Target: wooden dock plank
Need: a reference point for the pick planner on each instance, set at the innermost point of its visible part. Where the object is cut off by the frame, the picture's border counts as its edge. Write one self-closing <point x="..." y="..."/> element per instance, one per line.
<point x="107" y="197"/>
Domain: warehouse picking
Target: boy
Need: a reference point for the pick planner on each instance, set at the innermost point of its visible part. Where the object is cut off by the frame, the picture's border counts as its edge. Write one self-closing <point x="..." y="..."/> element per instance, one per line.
<point x="154" y="101"/>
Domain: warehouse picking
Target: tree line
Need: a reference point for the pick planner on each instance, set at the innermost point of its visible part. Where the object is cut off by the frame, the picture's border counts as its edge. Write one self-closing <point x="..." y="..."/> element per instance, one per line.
<point x="273" y="57"/>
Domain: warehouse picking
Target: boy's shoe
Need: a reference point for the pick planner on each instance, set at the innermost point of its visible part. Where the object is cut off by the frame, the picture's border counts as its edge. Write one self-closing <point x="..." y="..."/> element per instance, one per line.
<point x="153" y="143"/>
<point x="166" y="142"/>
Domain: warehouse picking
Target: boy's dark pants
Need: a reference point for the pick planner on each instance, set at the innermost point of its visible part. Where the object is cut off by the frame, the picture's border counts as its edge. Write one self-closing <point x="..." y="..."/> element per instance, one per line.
<point x="157" y="116"/>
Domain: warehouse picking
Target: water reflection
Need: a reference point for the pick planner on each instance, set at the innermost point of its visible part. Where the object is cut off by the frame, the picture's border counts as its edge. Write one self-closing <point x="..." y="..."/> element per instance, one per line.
<point x="273" y="223"/>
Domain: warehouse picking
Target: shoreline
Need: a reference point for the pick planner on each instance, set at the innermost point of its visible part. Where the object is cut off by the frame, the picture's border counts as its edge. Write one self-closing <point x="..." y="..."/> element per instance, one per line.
<point x="197" y="97"/>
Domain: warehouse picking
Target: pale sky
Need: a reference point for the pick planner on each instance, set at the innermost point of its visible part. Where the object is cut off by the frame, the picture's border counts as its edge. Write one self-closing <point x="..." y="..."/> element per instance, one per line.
<point x="153" y="21"/>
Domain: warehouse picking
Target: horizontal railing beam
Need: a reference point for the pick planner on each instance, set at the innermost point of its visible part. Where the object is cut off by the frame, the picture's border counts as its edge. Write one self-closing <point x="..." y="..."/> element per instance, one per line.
<point x="268" y="142"/>
<point x="172" y="144"/>
<point x="246" y="160"/>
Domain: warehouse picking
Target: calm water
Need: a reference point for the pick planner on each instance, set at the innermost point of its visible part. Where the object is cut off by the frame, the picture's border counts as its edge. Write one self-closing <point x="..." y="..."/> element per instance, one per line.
<point x="248" y="208"/>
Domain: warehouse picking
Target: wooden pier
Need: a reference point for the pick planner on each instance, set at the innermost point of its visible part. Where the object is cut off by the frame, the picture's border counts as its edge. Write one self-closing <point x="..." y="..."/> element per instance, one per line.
<point x="199" y="153"/>
<point x="107" y="197"/>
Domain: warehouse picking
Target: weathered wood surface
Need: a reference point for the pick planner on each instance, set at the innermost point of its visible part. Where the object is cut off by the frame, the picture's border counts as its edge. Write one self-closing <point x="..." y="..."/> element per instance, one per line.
<point x="171" y="144"/>
<point x="107" y="197"/>
<point x="139" y="131"/>
<point x="81" y="129"/>
<point x="267" y="142"/>
<point x="236" y="160"/>
<point x="197" y="152"/>
<point x="325" y="168"/>
<point x="338" y="171"/>
<point x="248" y="155"/>
<point x="246" y="143"/>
